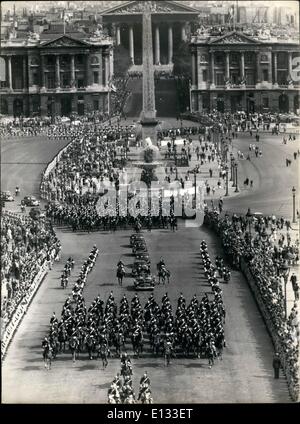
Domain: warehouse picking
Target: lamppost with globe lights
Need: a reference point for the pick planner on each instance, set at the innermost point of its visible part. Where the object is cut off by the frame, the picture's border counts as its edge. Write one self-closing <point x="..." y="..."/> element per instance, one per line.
<point x="294" y="204"/>
<point x="236" y="177"/>
<point x="249" y="221"/>
<point x="226" y="169"/>
<point x="231" y="166"/>
<point x="283" y="271"/>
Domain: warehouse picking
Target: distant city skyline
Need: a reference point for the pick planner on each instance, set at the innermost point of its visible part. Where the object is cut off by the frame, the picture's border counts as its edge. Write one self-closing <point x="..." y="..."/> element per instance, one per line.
<point x="35" y="6"/>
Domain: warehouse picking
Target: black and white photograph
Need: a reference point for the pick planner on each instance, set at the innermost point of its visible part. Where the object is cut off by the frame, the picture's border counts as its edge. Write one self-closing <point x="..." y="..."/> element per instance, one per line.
<point x="150" y="204"/>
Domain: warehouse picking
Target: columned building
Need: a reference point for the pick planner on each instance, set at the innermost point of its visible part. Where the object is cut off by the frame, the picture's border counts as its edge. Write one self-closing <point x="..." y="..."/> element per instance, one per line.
<point x="235" y="72"/>
<point x="58" y="74"/>
<point x="171" y="24"/>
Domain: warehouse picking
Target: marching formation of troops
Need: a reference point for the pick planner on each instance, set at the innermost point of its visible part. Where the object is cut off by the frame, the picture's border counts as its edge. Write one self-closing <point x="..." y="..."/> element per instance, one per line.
<point x="195" y="330"/>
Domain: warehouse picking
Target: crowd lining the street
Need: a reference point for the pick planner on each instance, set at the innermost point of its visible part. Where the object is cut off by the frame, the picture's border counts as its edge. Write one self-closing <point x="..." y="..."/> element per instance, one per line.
<point x="26" y="246"/>
<point x="258" y="243"/>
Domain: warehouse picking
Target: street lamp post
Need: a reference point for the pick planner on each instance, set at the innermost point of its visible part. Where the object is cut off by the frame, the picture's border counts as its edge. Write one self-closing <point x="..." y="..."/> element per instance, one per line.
<point x="284" y="271"/>
<point x="231" y="162"/>
<point x="195" y="183"/>
<point x="226" y="168"/>
<point x="236" y="178"/>
<point x="294" y="204"/>
<point x="249" y="218"/>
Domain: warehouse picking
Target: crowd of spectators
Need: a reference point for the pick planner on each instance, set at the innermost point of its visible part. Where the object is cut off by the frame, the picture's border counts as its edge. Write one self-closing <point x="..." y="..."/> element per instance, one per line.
<point x="26" y="246"/>
<point x="263" y="31"/>
<point x="253" y="243"/>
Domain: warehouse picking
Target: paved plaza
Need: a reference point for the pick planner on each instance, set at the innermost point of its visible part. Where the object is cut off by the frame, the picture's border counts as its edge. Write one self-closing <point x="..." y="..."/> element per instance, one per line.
<point x="244" y="375"/>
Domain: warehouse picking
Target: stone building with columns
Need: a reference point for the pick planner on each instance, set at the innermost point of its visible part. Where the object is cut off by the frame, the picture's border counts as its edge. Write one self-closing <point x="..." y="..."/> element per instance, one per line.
<point x="56" y="74"/>
<point x="235" y="72"/>
<point x="171" y="24"/>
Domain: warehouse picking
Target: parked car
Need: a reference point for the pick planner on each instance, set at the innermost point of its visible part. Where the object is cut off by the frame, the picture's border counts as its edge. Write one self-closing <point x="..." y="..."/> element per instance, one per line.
<point x="36" y="213"/>
<point x="31" y="201"/>
<point x="6" y="196"/>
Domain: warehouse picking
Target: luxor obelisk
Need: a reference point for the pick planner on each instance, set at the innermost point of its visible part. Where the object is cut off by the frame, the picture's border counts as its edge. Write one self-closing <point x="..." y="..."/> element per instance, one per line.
<point x="148" y="117"/>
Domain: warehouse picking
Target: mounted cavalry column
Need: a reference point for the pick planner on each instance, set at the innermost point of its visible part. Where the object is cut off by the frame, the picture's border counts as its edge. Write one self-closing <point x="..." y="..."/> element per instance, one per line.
<point x="131" y="44"/>
<point x="157" y="45"/>
<point x="170" y="44"/>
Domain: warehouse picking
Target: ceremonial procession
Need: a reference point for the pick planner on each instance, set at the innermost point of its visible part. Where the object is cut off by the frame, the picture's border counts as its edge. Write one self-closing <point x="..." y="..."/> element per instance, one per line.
<point x="150" y="203"/>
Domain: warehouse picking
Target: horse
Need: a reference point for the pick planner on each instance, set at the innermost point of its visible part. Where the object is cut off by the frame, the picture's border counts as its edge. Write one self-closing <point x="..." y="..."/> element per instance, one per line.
<point x="137" y="343"/>
<point x="62" y="338"/>
<point x="168" y="353"/>
<point x="156" y="344"/>
<point x="120" y="274"/>
<point x="186" y="343"/>
<point x="211" y="354"/>
<point x="219" y="345"/>
<point x="104" y="355"/>
<point x="126" y="370"/>
<point x="163" y="274"/>
<point x="118" y="341"/>
<point x="54" y="344"/>
<point x="90" y="344"/>
<point x="48" y="356"/>
<point x="74" y="344"/>
<point x="145" y="396"/>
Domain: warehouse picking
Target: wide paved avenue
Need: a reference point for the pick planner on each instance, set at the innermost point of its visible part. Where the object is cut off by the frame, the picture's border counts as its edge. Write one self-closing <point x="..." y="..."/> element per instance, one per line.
<point x="244" y="375"/>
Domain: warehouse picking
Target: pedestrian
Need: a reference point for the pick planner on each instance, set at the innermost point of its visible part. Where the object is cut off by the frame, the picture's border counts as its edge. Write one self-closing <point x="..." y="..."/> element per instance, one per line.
<point x="295" y="286"/>
<point x="276" y="365"/>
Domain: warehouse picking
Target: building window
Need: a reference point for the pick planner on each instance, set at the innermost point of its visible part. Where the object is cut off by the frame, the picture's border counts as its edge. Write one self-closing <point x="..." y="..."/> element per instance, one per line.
<point x="35" y="79"/>
<point x="80" y="82"/>
<point x="250" y="78"/>
<point x="96" y="77"/>
<point x="96" y="104"/>
<point x="234" y="59"/>
<point x="204" y="75"/>
<point x="265" y="75"/>
<point x="50" y="81"/>
<point x="79" y="59"/>
<point x="65" y="80"/>
<point x="249" y="59"/>
<point x="234" y="77"/>
<point x="219" y="59"/>
<point x="265" y="102"/>
<point x="50" y="60"/>
<point x="282" y="77"/>
<point x="220" y="78"/>
<point x="282" y="60"/>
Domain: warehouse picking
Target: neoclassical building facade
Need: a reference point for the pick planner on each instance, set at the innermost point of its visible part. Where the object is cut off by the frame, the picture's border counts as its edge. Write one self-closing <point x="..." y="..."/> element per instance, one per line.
<point x="58" y="74"/>
<point x="235" y="72"/>
<point x="171" y="24"/>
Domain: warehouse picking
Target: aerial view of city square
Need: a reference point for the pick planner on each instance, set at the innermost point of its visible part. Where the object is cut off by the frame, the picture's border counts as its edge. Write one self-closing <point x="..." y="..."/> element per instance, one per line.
<point x="150" y="203"/>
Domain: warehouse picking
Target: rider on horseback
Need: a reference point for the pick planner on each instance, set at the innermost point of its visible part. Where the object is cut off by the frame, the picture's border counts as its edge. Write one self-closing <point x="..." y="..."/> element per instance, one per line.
<point x="145" y="380"/>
